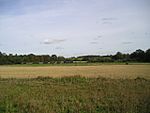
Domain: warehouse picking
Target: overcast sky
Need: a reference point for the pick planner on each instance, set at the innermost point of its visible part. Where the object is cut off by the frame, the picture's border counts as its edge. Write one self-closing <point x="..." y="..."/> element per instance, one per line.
<point x="74" y="27"/>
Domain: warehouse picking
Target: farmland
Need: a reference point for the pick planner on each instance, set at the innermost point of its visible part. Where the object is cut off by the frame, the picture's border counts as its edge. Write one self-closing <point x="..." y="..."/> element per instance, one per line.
<point x="75" y="89"/>
<point x="108" y="71"/>
<point x="74" y="95"/>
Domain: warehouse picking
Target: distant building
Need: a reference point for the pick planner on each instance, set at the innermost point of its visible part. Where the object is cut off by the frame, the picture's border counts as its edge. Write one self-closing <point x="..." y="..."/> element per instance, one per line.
<point x="80" y="61"/>
<point x="29" y="63"/>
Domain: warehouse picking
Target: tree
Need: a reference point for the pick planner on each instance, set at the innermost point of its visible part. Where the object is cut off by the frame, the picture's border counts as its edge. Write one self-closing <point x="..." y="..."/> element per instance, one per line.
<point x="53" y="59"/>
<point x="60" y="59"/>
<point x="46" y="58"/>
<point x="147" y="55"/>
<point x="118" y="56"/>
<point x="138" y="55"/>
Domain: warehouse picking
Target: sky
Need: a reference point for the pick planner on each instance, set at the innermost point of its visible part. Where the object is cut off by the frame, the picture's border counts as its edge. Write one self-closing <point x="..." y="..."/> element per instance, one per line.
<point x="74" y="27"/>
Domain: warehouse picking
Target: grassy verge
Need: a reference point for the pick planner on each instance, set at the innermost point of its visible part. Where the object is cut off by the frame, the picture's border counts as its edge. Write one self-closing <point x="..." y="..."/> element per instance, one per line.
<point x="78" y="64"/>
<point x="74" y="95"/>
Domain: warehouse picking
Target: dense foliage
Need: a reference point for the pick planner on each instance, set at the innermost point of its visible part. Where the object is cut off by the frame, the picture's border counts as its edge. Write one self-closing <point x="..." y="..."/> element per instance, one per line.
<point x="137" y="56"/>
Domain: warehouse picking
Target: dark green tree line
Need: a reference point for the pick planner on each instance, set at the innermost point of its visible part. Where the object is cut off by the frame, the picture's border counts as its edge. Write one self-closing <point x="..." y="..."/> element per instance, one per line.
<point x="137" y="56"/>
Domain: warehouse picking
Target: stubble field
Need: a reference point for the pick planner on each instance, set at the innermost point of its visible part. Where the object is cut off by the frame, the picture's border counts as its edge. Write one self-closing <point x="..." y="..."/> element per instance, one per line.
<point x="108" y="71"/>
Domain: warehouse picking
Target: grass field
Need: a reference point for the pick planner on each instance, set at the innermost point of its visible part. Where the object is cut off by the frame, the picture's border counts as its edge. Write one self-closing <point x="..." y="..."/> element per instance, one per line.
<point x="110" y="71"/>
<point x="75" y="89"/>
<point x="74" y="95"/>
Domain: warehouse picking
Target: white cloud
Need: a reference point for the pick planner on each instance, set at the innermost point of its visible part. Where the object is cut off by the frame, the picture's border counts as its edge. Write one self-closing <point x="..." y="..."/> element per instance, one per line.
<point x="53" y="41"/>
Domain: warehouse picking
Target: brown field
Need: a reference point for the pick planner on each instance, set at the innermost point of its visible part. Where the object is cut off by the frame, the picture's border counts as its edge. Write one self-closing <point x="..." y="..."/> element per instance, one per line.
<point x="75" y="94"/>
<point x="111" y="71"/>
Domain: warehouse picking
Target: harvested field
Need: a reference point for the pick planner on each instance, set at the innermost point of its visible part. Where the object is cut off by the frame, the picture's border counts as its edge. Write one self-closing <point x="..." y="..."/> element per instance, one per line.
<point x="111" y="71"/>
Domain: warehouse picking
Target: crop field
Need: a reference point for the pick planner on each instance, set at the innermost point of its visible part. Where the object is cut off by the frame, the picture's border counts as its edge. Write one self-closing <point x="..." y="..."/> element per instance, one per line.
<point x="75" y="89"/>
<point x="74" y="95"/>
<point x="109" y="71"/>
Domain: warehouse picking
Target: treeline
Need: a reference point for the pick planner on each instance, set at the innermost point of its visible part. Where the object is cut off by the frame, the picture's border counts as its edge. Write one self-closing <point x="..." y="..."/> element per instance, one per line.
<point x="137" y="56"/>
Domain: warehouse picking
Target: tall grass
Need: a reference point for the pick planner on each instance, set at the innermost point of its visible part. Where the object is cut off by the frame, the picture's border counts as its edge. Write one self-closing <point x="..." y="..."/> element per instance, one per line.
<point x="74" y="95"/>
